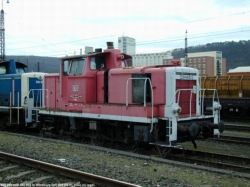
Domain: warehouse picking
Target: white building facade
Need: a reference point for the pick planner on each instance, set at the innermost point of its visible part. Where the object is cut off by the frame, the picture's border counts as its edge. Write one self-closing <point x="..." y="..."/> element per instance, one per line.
<point x="126" y="45"/>
<point x="151" y="58"/>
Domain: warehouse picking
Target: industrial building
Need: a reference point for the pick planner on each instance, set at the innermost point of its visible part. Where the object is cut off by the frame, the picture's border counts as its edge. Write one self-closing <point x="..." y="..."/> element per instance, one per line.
<point x="239" y="71"/>
<point x="209" y="63"/>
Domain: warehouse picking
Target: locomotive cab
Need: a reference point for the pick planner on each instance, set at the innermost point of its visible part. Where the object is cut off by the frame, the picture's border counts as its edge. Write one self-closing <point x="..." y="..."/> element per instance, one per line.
<point x="10" y="80"/>
<point x="12" y="67"/>
<point x="83" y="79"/>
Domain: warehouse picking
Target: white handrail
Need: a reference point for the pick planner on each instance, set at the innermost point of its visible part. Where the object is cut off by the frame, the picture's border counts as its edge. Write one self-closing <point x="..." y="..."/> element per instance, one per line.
<point x="39" y="96"/>
<point x="177" y="92"/>
<point x="152" y="96"/>
<point x="12" y="103"/>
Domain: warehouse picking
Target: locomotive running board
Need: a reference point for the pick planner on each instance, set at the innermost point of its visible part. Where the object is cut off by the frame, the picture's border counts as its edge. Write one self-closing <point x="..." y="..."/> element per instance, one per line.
<point x="163" y="144"/>
<point x="195" y="117"/>
<point x="100" y="116"/>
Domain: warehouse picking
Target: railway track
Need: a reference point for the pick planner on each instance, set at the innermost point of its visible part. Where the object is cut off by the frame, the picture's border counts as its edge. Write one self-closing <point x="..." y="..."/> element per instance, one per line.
<point x="214" y="160"/>
<point x="234" y="165"/>
<point x="232" y="139"/>
<point x="238" y="127"/>
<point x="34" y="166"/>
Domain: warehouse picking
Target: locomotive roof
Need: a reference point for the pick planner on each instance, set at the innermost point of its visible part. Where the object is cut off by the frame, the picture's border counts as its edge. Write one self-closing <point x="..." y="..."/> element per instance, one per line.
<point x="92" y="54"/>
<point x="17" y="63"/>
<point x="83" y="55"/>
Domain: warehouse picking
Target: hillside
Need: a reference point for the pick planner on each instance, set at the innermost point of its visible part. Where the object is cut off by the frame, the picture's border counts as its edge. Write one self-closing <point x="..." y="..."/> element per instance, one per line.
<point x="236" y="53"/>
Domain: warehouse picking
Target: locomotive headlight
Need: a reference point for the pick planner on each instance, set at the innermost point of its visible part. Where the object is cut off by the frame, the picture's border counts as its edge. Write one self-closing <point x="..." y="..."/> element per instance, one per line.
<point x="176" y="109"/>
<point x="217" y="106"/>
<point x="25" y="100"/>
<point x="40" y="78"/>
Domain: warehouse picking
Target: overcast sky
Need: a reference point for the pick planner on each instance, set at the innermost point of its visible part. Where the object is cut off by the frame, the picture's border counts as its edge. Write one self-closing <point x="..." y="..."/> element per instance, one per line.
<point x="60" y="27"/>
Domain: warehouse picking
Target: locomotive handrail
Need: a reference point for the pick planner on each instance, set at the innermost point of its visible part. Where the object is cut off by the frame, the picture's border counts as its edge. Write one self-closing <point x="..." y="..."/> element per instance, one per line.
<point x="190" y="100"/>
<point x="152" y="96"/>
<point x="215" y="93"/>
<point x="190" y="108"/>
<point x="152" y="93"/>
<point x="40" y="91"/>
<point x="11" y="106"/>
<point x="198" y="90"/>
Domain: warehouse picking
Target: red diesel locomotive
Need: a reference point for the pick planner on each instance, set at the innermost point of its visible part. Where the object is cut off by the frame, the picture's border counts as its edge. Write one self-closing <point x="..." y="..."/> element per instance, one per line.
<point x="96" y="95"/>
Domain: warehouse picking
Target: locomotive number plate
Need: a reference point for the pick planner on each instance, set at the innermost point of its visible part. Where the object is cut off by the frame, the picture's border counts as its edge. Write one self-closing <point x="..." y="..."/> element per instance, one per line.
<point x="189" y="77"/>
<point x="75" y="88"/>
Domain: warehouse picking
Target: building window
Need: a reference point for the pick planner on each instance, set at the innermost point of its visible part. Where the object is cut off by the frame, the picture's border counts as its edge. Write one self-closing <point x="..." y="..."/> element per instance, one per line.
<point x="203" y="59"/>
<point x="204" y="71"/>
<point x="194" y="60"/>
<point x="203" y="65"/>
<point x="199" y="65"/>
<point x="194" y="65"/>
<point x="199" y="59"/>
<point x="190" y="60"/>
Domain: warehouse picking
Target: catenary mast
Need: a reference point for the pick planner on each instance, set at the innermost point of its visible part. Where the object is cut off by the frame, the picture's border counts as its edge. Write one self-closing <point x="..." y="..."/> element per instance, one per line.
<point x="186" y="51"/>
<point x="2" y="35"/>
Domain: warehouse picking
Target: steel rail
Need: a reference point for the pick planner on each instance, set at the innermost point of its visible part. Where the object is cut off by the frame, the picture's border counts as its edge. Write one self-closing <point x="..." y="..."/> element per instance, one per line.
<point x="238" y="127"/>
<point x="232" y="139"/>
<point x="191" y="156"/>
<point x="227" y="166"/>
<point x="80" y="175"/>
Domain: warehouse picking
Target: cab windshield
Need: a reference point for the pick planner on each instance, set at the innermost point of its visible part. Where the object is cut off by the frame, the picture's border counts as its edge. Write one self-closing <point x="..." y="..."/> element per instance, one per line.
<point x="77" y="66"/>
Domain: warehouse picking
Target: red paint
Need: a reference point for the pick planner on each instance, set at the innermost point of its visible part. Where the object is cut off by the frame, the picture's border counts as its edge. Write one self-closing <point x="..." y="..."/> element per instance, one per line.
<point x="85" y="92"/>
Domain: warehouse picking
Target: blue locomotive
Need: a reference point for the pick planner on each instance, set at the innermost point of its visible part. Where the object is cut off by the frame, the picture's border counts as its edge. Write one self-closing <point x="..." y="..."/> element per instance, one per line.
<point x="15" y="87"/>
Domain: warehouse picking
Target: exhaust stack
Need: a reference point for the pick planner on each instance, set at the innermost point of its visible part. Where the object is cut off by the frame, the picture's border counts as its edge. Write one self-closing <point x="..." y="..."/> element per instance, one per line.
<point x="110" y="45"/>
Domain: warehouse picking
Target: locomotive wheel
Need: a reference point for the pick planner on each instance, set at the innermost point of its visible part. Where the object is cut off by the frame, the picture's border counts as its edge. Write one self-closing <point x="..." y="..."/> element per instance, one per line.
<point x="41" y="133"/>
<point x="135" y="146"/>
<point x="1" y="125"/>
<point x="4" y="123"/>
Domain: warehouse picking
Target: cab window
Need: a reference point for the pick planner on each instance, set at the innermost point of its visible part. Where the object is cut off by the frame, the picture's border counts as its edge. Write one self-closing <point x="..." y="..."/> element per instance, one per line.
<point x="97" y="63"/>
<point x="20" y="70"/>
<point x="77" y="66"/>
<point x="2" y="70"/>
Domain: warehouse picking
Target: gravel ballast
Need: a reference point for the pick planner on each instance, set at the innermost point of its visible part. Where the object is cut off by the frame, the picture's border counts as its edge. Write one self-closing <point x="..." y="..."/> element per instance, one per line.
<point x="144" y="172"/>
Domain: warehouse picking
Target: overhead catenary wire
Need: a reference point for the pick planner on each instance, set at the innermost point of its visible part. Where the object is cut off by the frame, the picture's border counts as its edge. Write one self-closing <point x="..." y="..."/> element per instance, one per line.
<point x="205" y="19"/>
<point x="71" y="51"/>
<point x="194" y="36"/>
<point x="142" y="43"/>
<point x="73" y="41"/>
